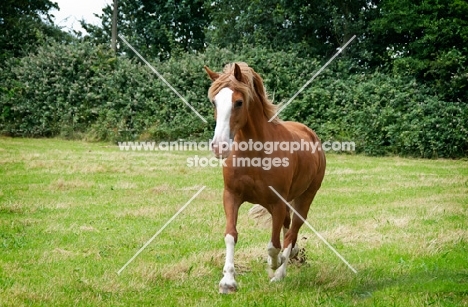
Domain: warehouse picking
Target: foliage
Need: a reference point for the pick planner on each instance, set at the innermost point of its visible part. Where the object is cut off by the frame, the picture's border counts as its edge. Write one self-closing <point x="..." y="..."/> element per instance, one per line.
<point x="314" y="28"/>
<point x="24" y="25"/>
<point x="156" y="28"/>
<point x="424" y="39"/>
<point x="383" y="114"/>
<point x="56" y="90"/>
<point x="78" y="88"/>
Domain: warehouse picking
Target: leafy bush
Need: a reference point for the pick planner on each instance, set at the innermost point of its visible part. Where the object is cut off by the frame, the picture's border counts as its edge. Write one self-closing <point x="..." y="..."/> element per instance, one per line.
<point x="57" y="90"/>
<point x="77" y="88"/>
<point x="383" y="114"/>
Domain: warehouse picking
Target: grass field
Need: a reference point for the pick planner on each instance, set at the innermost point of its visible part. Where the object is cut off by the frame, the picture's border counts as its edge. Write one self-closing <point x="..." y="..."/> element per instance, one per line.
<point x="73" y="213"/>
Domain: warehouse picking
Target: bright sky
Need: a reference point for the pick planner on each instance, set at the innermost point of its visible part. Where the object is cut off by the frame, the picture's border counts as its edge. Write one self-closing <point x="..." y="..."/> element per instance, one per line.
<point x="72" y="11"/>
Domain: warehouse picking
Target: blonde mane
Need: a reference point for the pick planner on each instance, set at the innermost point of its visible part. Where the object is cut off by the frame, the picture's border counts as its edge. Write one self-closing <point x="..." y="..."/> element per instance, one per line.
<point x="250" y="86"/>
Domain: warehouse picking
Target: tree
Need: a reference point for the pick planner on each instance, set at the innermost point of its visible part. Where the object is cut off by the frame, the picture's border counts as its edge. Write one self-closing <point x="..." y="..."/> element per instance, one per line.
<point x="426" y="39"/>
<point x="156" y="28"/>
<point x="25" y="24"/>
<point x="311" y="27"/>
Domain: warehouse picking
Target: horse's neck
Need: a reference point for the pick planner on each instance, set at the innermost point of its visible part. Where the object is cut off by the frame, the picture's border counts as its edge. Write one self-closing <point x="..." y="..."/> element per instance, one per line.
<point x="252" y="132"/>
<point x="257" y="128"/>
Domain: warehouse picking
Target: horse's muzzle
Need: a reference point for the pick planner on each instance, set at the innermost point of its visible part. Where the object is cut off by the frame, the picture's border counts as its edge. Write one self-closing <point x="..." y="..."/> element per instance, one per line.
<point x="221" y="149"/>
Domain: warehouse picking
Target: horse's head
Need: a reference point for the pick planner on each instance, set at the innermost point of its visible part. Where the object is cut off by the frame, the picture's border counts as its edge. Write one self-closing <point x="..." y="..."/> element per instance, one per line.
<point x="230" y="95"/>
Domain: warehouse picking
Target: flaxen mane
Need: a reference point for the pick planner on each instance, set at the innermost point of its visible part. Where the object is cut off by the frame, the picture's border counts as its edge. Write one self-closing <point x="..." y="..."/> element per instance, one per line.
<point x="251" y="87"/>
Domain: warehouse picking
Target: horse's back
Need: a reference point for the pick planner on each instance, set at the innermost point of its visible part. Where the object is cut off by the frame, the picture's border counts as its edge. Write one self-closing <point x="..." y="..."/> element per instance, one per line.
<point x="301" y="131"/>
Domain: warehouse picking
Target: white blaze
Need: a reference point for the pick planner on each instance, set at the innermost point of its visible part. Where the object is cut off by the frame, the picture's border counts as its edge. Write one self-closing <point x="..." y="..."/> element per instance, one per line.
<point x="221" y="138"/>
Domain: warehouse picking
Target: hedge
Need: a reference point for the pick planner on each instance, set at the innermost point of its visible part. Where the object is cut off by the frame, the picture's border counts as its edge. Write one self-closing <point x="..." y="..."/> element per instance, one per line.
<point x="82" y="91"/>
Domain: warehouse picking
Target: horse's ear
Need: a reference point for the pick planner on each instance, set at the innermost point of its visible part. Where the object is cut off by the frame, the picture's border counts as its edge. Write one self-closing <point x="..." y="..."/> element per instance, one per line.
<point x="213" y="75"/>
<point x="237" y="72"/>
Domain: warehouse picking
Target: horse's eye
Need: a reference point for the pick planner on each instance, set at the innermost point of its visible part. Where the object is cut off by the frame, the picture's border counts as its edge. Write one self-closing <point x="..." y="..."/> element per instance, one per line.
<point x="238" y="104"/>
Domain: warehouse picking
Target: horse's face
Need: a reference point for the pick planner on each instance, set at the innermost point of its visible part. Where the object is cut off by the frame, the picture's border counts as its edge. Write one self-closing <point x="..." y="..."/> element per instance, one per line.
<point x="230" y="115"/>
<point x="230" y="118"/>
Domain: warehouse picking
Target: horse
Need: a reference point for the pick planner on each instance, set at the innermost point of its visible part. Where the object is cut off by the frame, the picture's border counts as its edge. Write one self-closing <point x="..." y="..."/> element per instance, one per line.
<point x="245" y="122"/>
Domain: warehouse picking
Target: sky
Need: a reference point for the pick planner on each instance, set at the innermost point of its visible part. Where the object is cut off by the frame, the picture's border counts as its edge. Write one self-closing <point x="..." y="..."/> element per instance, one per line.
<point x="72" y="11"/>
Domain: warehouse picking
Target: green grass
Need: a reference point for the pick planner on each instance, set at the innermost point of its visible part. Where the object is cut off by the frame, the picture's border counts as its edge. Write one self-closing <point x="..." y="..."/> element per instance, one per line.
<point x="73" y="213"/>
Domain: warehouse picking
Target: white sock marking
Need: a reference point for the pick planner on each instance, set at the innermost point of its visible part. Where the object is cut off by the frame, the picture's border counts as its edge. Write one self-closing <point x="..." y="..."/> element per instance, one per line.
<point x="280" y="273"/>
<point x="228" y="281"/>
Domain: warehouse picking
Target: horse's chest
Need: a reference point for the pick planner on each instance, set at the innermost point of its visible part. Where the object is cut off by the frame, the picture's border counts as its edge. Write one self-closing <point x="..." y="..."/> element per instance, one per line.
<point x="251" y="186"/>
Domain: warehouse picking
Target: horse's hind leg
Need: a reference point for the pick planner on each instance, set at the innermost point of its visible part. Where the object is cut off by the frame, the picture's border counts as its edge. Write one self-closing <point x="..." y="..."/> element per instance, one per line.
<point x="286" y="226"/>
<point x="301" y="205"/>
<point x="278" y="216"/>
<point x="280" y="272"/>
<point x="277" y="261"/>
<point x="287" y="221"/>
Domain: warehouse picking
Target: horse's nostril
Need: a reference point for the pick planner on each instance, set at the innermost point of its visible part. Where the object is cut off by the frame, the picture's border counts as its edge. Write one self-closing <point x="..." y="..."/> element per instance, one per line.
<point x="217" y="149"/>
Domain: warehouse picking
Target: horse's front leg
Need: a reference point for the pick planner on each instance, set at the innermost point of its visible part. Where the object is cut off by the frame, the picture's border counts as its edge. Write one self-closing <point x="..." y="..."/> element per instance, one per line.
<point x="231" y="208"/>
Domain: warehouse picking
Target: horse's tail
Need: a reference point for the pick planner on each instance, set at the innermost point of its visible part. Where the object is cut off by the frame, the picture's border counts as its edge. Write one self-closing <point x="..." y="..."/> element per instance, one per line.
<point x="260" y="214"/>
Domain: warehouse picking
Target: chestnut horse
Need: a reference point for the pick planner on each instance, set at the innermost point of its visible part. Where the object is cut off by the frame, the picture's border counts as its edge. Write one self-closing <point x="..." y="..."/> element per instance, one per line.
<point x="242" y="112"/>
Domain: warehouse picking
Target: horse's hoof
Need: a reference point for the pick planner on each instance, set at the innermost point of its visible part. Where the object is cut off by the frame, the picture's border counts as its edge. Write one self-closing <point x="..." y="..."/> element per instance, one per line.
<point x="276" y="279"/>
<point x="279" y="274"/>
<point x="294" y="252"/>
<point x="227" y="285"/>
<point x="227" y="289"/>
